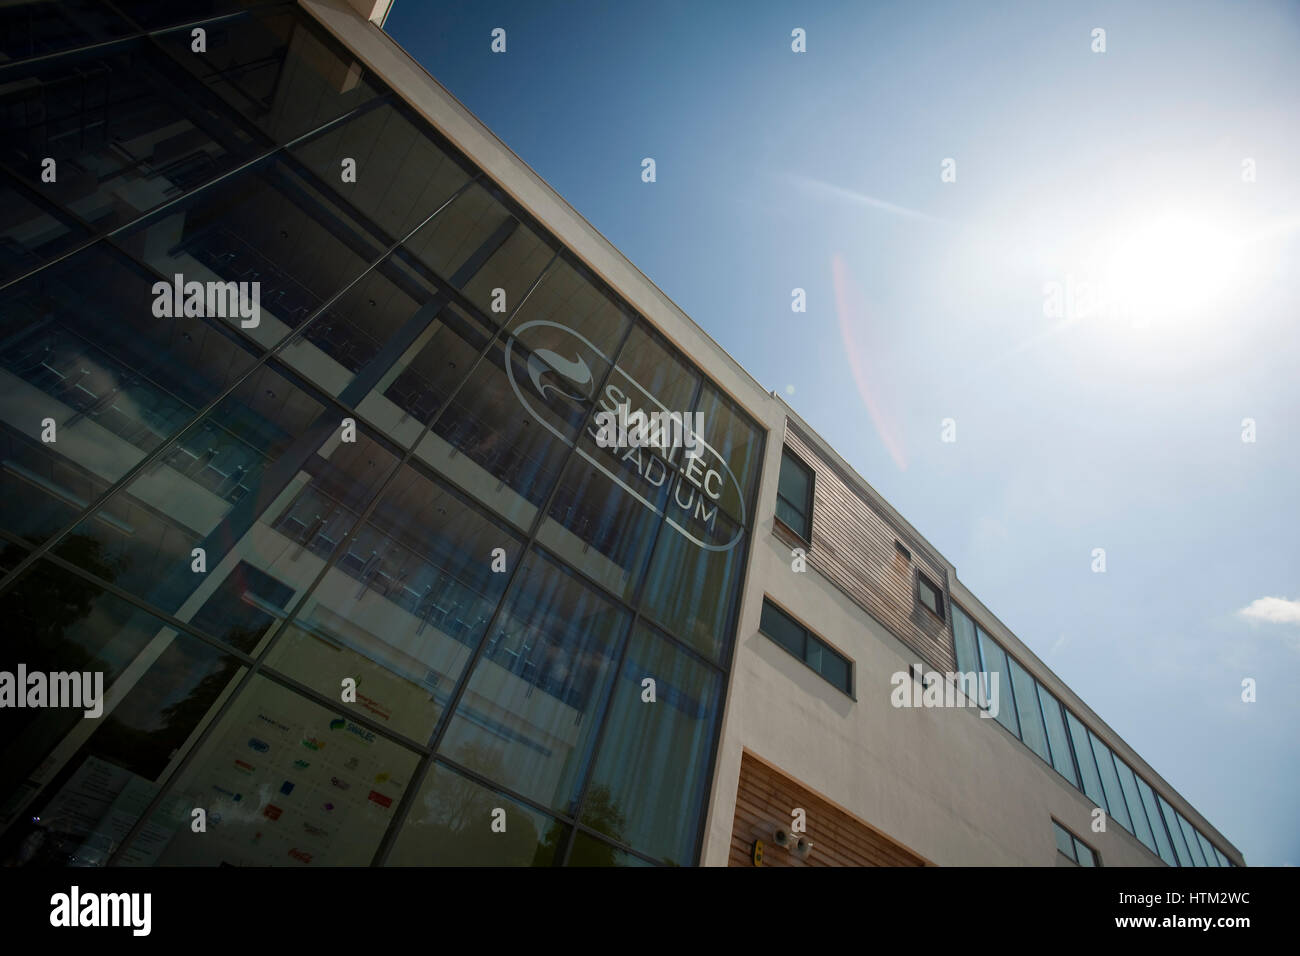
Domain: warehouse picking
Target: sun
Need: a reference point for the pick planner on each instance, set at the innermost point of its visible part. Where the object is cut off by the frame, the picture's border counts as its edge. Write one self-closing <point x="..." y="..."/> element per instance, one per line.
<point x="1172" y="269"/>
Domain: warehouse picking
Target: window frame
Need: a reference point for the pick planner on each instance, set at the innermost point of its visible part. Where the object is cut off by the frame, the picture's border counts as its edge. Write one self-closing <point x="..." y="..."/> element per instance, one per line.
<point x="807" y="509"/>
<point x="941" y="604"/>
<point x="1076" y="844"/>
<point x="809" y="635"/>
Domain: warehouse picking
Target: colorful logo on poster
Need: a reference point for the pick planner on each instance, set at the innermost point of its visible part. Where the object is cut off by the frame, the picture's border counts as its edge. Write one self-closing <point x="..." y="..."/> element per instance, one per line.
<point x="340" y="724"/>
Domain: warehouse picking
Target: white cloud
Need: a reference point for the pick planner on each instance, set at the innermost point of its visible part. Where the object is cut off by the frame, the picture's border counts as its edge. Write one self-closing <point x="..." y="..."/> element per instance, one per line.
<point x="1272" y="609"/>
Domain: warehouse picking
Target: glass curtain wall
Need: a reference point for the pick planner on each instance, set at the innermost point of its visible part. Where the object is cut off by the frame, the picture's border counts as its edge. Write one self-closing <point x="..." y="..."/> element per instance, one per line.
<point x="358" y="578"/>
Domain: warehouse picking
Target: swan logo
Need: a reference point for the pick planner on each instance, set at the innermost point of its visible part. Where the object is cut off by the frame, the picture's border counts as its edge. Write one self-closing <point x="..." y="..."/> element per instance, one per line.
<point x="576" y="372"/>
<point x="694" y="495"/>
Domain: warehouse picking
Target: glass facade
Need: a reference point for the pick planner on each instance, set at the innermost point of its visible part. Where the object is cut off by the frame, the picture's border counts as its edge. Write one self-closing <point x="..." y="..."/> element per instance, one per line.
<point x="360" y="581"/>
<point x="1061" y="740"/>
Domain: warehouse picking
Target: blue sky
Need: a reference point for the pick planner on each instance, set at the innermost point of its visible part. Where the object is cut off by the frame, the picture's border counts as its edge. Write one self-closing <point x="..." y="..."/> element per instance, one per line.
<point x="1114" y="421"/>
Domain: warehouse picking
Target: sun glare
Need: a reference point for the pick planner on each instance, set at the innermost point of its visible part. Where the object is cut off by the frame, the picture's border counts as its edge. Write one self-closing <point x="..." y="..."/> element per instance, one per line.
<point x="1170" y="269"/>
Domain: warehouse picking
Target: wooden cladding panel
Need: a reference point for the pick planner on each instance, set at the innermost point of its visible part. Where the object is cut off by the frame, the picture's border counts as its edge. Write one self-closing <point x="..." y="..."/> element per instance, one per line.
<point x="765" y="796"/>
<point x="853" y="547"/>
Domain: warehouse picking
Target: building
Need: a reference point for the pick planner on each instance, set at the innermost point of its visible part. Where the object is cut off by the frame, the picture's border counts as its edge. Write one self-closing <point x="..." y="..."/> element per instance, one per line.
<point x="301" y="368"/>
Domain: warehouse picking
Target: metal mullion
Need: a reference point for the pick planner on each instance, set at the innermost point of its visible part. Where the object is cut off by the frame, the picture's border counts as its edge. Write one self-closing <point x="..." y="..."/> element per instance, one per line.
<point x="462" y="682"/>
<point x="1042" y="717"/>
<point x="91" y="49"/>
<point x="202" y="21"/>
<point x="610" y="841"/>
<point x="637" y="594"/>
<point x="149" y="459"/>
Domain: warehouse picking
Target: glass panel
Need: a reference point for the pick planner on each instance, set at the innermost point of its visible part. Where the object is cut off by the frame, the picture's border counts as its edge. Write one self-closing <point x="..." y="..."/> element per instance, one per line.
<point x="419" y="384"/>
<point x="1110" y="783"/>
<point x="930" y="598"/>
<point x="30" y="235"/>
<point x="963" y="632"/>
<point x="401" y="176"/>
<point x="10" y="555"/>
<point x="451" y="824"/>
<point x="278" y="70"/>
<point x="794" y="520"/>
<point x="1175" y="833"/>
<point x="269" y="227"/>
<point x="590" y="851"/>
<point x="263" y="480"/>
<point x="477" y="245"/>
<point x="1189" y="835"/>
<point x="782" y="630"/>
<point x="1060" y="746"/>
<point x="1128" y="783"/>
<point x="793" y="483"/>
<point x="691" y="590"/>
<point x="1087" y="764"/>
<point x="127" y="130"/>
<point x="82" y="346"/>
<point x="73" y="786"/>
<point x="649" y="785"/>
<point x="735" y="453"/>
<point x="1031" y="719"/>
<point x="835" y="669"/>
<point x="402" y="611"/>
<point x="1084" y="854"/>
<point x="600" y="526"/>
<point x="1163" y="845"/>
<point x="995" y="663"/>
<point x="294" y="785"/>
<point x="41" y="27"/>
<point x="1207" y="850"/>
<point x="1223" y="860"/>
<point x="508" y="431"/>
<point x="1064" y="841"/>
<point x="654" y="368"/>
<point x="525" y="720"/>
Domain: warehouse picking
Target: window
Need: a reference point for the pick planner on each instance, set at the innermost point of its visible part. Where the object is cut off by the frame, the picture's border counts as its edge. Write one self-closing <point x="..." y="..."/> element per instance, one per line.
<point x="1110" y="783"/>
<point x="1001" y="693"/>
<point x="1031" y="718"/>
<point x="1059" y="738"/>
<point x="930" y="594"/>
<point x="1060" y="744"/>
<point x="1072" y="848"/>
<point x="1157" y="825"/>
<point x="963" y="636"/>
<point x="796" y="639"/>
<point x="794" y="495"/>
<point x="1087" y="765"/>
